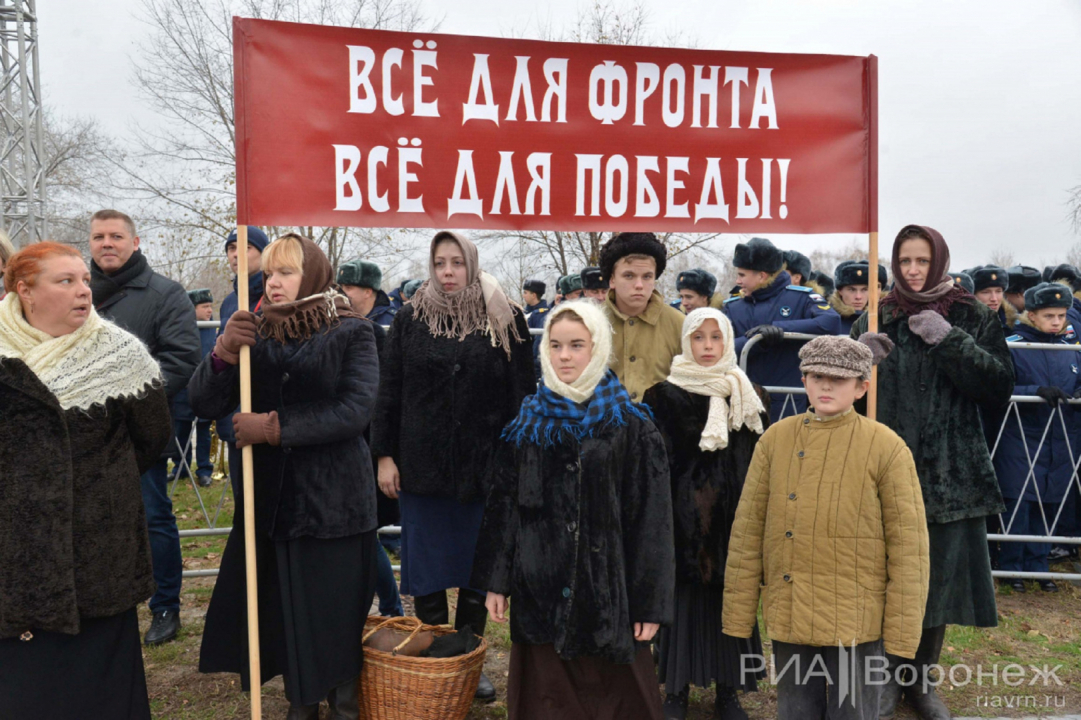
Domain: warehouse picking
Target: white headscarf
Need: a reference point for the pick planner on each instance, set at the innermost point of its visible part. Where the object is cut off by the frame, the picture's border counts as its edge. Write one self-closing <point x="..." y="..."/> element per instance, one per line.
<point x="600" y="329"/>
<point x="733" y="401"/>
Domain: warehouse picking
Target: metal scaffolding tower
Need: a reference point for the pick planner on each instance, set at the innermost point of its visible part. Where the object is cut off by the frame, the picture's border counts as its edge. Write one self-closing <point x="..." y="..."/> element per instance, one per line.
<point x="22" y="147"/>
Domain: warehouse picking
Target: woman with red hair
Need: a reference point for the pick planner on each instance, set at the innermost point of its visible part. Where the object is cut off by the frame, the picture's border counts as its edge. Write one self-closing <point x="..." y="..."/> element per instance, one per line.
<point x="84" y="415"/>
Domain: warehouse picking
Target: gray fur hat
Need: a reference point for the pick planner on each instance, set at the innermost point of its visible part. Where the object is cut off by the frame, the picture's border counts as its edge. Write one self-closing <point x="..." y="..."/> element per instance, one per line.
<point x="836" y="356"/>
<point x="361" y="273"/>
<point x="200" y="296"/>
<point x="758" y="254"/>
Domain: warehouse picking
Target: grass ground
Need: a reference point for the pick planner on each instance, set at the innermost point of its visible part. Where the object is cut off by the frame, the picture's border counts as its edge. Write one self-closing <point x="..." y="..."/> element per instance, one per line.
<point x="1035" y="629"/>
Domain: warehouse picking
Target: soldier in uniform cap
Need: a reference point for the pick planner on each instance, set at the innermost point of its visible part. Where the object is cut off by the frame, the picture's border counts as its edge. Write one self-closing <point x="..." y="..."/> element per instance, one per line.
<point x="594" y="285"/>
<point x="852" y="280"/>
<point x="1021" y="278"/>
<point x="798" y="266"/>
<point x="990" y="283"/>
<point x="362" y="282"/>
<point x="1067" y="276"/>
<point x="964" y="280"/>
<point x="769" y="305"/>
<point x="696" y="287"/>
<point x="533" y="296"/>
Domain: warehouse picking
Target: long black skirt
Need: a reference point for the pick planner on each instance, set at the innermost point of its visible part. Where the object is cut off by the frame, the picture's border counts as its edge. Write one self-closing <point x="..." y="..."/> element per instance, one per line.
<point x="95" y="674"/>
<point x="961" y="591"/>
<point x="314" y="596"/>
<point x="694" y="651"/>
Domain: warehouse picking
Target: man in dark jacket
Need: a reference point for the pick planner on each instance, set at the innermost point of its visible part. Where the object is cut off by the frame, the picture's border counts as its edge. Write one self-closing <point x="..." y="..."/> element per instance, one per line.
<point x="361" y="281"/>
<point x="157" y="311"/>
<point x="769" y="305"/>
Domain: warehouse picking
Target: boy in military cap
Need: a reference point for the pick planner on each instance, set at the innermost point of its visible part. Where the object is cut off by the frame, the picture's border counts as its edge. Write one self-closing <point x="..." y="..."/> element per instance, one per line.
<point x="769" y="305"/>
<point x="646" y="332"/>
<point x="989" y="283"/>
<point x="1067" y="276"/>
<point x="594" y="286"/>
<point x="831" y="534"/>
<point x="1021" y="278"/>
<point x="533" y="296"/>
<point x="852" y="278"/>
<point x="183" y="417"/>
<point x="696" y="287"/>
<point x="570" y="287"/>
<point x="1028" y="479"/>
<point x="964" y="280"/>
<point x="531" y="293"/>
<point x="823" y="283"/>
<point x="798" y="266"/>
<point x="362" y="281"/>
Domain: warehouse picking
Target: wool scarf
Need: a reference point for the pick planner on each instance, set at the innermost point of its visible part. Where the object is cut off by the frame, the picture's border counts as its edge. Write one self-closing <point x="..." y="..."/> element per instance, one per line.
<point x="562" y="411"/>
<point x="939" y="292"/>
<point x="104" y="286"/>
<point x="733" y="402"/>
<point x="88" y="366"/>
<point x="481" y="306"/>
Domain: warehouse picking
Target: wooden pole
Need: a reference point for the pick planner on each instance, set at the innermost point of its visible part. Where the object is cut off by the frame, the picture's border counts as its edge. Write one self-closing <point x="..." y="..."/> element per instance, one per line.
<point x="249" y="487"/>
<point x="872" y="218"/>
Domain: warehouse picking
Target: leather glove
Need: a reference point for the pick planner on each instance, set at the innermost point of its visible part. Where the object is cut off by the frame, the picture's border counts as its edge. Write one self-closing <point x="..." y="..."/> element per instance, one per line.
<point x="930" y="326"/>
<point x="1052" y="395"/>
<point x="880" y="344"/>
<point x="242" y="329"/>
<point x="256" y="428"/>
<point x="771" y="334"/>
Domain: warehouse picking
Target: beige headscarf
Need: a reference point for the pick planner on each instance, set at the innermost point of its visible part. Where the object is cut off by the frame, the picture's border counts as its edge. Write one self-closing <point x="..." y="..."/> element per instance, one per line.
<point x="600" y="329"/>
<point x="481" y="306"/>
<point x="733" y="401"/>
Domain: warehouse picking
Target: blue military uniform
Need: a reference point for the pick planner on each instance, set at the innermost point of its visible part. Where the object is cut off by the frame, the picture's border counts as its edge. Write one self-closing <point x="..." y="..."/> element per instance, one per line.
<point x="383" y="311"/>
<point x="793" y="308"/>
<point x="535" y="320"/>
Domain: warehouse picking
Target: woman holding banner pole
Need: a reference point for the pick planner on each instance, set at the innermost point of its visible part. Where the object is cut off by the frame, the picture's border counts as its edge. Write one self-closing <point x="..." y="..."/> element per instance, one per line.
<point x="950" y="358"/>
<point x="315" y="372"/>
<point x="458" y="361"/>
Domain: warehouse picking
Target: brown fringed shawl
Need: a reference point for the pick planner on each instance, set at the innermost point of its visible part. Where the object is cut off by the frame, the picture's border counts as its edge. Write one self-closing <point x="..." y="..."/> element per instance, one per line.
<point x="320" y="305"/>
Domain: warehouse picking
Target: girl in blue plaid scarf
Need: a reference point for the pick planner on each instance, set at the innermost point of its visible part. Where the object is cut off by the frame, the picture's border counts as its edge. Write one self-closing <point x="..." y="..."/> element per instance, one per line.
<point x="578" y="530"/>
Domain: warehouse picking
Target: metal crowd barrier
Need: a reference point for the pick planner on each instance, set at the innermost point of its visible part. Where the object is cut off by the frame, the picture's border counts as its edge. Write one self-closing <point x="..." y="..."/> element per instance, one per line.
<point x="788" y="408"/>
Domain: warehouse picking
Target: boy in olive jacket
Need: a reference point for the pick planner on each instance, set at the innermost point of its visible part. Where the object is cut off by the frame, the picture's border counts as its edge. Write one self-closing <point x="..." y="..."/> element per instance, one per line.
<point x="830" y="531"/>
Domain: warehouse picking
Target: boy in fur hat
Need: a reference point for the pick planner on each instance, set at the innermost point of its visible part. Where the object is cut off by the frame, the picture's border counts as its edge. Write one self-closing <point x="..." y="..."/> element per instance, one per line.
<point x="852" y="278"/>
<point x="696" y="287"/>
<point x="1021" y="278"/>
<point x="594" y="286"/>
<point x="1067" y="276"/>
<point x="964" y="280"/>
<point x="1052" y="376"/>
<point x="770" y="305"/>
<point x="990" y="283"/>
<point x="830" y="529"/>
<point x="798" y="266"/>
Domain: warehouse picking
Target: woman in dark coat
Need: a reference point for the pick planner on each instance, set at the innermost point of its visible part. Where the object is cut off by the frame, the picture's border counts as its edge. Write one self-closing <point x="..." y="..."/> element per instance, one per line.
<point x="578" y="534"/>
<point x="711" y="416"/>
<point x="314" y="377"/>
<point x="458" y="362"/>
<point x="950" y="358"/>
<point x="83" y="413"/>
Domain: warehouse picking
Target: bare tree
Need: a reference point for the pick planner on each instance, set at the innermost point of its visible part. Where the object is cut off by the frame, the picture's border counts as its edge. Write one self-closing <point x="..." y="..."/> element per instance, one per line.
<point x="1074" y="203"/>
<point x="1002" y="257"/>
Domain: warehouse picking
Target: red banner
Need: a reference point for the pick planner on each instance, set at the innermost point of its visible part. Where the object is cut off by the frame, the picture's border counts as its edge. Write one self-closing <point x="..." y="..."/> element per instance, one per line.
<point x="340" y="126"/>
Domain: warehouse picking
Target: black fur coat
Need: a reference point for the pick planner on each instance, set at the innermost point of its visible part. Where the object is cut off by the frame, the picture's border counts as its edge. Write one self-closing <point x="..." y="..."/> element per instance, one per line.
<point x="73" y="540"/>
<point x="443" y="403"/>
<point x="705" y="485"/>
<point x="580" y="538"/>
<point x="319" y="482"/>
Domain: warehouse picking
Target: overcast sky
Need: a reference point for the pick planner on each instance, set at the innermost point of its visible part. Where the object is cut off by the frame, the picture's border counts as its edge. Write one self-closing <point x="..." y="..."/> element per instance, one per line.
<point x="979" y="101"/>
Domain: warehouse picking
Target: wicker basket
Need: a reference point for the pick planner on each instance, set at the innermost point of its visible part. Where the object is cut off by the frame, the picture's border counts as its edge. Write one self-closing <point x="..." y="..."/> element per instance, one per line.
<point x="396" y="687"/>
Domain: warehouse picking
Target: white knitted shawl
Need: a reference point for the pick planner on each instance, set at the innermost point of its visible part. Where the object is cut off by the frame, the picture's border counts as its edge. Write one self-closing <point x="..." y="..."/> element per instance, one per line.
<point x="733" y="402"/>
<point x="86" y="367"/>
<point x="600" y="329"/>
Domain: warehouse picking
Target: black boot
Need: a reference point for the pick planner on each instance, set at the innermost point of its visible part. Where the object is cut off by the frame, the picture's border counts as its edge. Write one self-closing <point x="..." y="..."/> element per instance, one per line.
<point x="473" y="614"/>
<point x="675" y="705"/>
<point x="432" y="609"/>
<point x="164" y="626"/>
<point x="303" y="712"/>
<point x="889" y="699"/>
<point x="727" y="706"/>
<point x="343" y="702"/>
<point x="921" y="694"/>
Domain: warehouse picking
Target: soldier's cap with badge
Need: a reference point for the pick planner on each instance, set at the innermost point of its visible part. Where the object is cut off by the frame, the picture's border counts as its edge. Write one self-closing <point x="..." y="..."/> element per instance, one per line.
<point x="697" y="280"/>
<point x="1047" y="295"/>
<point x="857" y="272"/>
<point x="200" y="296"/>
<point x="361" y="273"/>
<point x="569" y="284"/>
<point x="535" y="286"/>
<point x="593" y="279"/>
<point x="797" y="262"/>
<point x="758" y="254"/>
<point x="409" y="289"/>
<point x="964" y="280"/>
<point x="1021" y="278"/>
<point x="632" y="243"/>
<point x="1063" y="272"/>
<point x="988" y="276"/>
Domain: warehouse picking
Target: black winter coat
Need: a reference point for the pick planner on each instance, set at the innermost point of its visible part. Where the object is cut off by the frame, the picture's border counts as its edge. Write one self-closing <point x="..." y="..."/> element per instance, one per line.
<point x="156" y="310"/>
<point x="706" y="486"/>
<point x="580" y="537"/>
<point x="443" y="404"/>
<point x="73" y="539"/>
<point x="318" y="483"/>
<point x="931" y="395"/>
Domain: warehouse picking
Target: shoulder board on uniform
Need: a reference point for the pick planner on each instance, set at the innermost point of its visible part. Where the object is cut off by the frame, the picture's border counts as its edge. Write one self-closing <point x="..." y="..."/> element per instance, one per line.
<point x="734" y="297"/>
<point x="542" y="310"/>
<point x="801" y="288"/>
<point x="1014" y="338"/>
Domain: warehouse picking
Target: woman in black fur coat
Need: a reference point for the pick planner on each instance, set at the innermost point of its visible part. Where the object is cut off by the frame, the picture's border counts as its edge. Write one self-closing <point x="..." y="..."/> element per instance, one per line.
<point x="578" y="534"/>
<point x="458" y="362"/>
<point x="711" y="417"/>
<point x="315" y="372"/>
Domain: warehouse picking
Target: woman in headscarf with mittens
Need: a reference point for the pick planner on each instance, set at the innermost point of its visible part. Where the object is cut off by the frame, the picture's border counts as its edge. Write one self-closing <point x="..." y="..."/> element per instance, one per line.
<point x="950" y="359"/>
<point x="314" y="377"/>
<point x="458" y="361"/>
